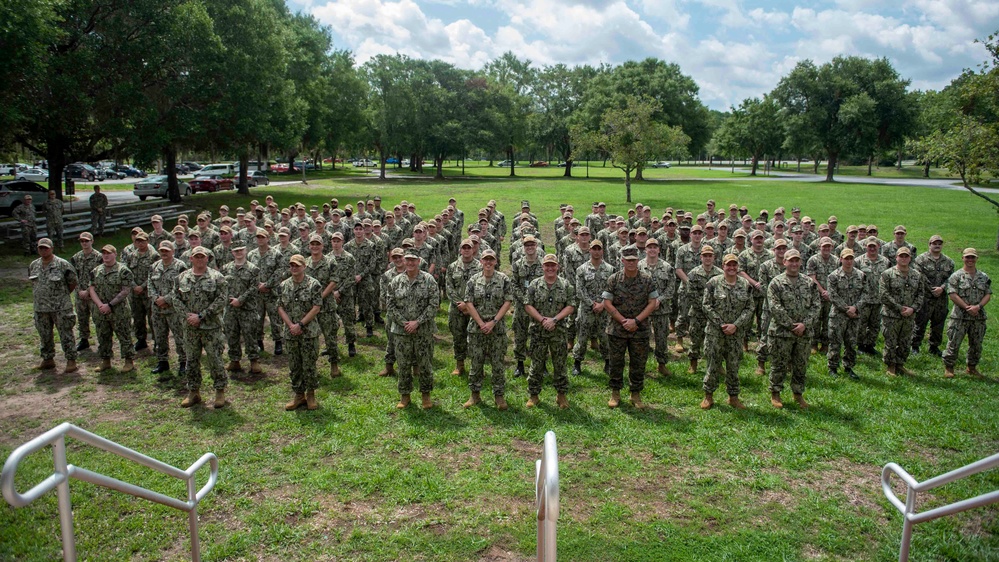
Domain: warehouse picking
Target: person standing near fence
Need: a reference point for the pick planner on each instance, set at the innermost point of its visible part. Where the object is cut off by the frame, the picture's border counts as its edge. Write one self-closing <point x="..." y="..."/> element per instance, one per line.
<point x="53" y="280"/>
<point x="98" y="211"/>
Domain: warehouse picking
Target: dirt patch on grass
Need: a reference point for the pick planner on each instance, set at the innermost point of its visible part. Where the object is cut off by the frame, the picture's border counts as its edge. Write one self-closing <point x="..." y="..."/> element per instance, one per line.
<point x="496" y="553"/>
<point x="859" y="483"/>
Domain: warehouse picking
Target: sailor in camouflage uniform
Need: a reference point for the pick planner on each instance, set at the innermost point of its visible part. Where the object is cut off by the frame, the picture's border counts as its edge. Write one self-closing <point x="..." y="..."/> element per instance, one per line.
<point x="936" y="268"/>
<point x="110" y="284"/>
<point x="970" y="289"/>
<point x="697" y="280"/>
<point x="397" y="267"/>
<point x="299" y="301"/>
<point x="53" y="218"/>
<point x="591" y="315"/>
<point x="665" y="280"/>
<point x="201" y="298"/>
<point x="98" y="211"/>
<point x="242" y="310"/>
<point x="549" y="301"/>
<point x="488" y="297"/>
<point x="524" y="270"/>
<point x="366" y="276"/>
<point x="320" y="268"/>
<point x="819" y="267"/>
<point x="872" y="263"/>
<point x="140" y="261"/>
<point x="456" y="281"/>
<point x="846" y="286"/>
<point x="25" y="216"/>
<point x="750" y="261"/>
<point x="167" y="318"/>
<point x="343" y="274"/>
<point x="411" y="306"/>
<point x="53" y="280"/>
<point x="794" y="305"/>
<point x="688" y="257"/>
<point x="273" y="270"/>
<point x="728" y="307"/>
<point x="84" y="263"/>
<point x="901" y="292"/>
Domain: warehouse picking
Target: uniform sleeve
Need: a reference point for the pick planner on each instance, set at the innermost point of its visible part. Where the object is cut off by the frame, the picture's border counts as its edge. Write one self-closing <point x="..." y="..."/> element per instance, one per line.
<point x="887" y="297"/>
<point x="814" y="306"/>
<point x="836" y="296"/>
<point x="778" y="312"/>
<point x="508" y="292"/>
<point x="708" y="304"/>
<point x="250" y="289"/>
<point x="218" y="304"/>
<point x="433" y="302"/>
<point x="745" y="319"/>
<point x="71" y="276"/>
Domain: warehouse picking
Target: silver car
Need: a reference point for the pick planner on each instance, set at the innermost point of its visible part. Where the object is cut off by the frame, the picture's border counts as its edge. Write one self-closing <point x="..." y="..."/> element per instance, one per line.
<point x="12" y="195"/>
<point x="34" y="174"/>
<point x="156" y="186"/>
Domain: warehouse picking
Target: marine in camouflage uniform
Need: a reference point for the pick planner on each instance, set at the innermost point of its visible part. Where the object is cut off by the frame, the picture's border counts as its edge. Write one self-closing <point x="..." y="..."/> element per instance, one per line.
<point x="591" y="316"/>
<point x="846" y="286"/>
<point x="970" y="289"/>
<point x="167" y="318"/>
<point x="728" y="307"/>
<point x="458" y="274"/>
<point x="549" y="301"/>
<point x="870" y="303"/>
<point x="84" y="263"/>
<point x="697" y="280"/>
<point x="140" y="263"/>
<point x="24" y="214"/>
<point x="52" y="283"/>
<point x="630" y="297"/>
<point x="202" y="299"/>
<point x="665" y="280"/>
<point x="794" y="305"/>
<point x="901" y="292"/>
<point x="413" y="297"/>
<point x="98" y="211"/>
<point x="488" y="296"/>
<point x="241" y="322"/>
<point x="110" y="285"/>
<point x="524" y="270"/>
<point x="300" y="299"/>
<point x="936" y="269"/>
<point x="53" y="208"/>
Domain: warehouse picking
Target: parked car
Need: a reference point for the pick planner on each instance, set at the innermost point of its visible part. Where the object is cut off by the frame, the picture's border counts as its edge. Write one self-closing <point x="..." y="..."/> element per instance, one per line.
<point x="181" y="170"/>
<point x="110" y="174"/>
<point x="156" y="186"/>
<point x="392" y="160"/>
<point x="129" y="171"/>
<point x="12" y="195"/>
<point x="661" y="164"/>
<point x="279" y="168"/>
<point x="574" y="164"/>
<point x="12" y="169"/>
<point x="192" y="166"/>
<point x="81" y="171"/>
<point x="257" y="177"/>
<point x="34" y="174"/>
<point x="504" y="164"/>
<point x="211" y="184"/>
<point x="364" y="162"/>
<point x="539" y="164"/>
<point x="211" y="170"/>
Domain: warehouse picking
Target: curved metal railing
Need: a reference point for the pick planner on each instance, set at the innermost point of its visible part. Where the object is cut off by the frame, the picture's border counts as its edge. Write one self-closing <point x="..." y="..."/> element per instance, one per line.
<point x="546" y="498"/>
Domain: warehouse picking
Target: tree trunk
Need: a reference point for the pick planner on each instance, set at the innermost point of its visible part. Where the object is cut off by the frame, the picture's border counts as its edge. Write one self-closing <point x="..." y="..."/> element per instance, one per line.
<point x="831" y="165"/>
<point x="243" y="188"/>
<point x="638" y="175"/>
<point x="513" y="164"/>
<point x="567" y="157"/>
<point x="756" y="164"/>
<point x="870" y="164"/>
<point x="57" y="165"/>
<point x="899" y="167"/>
<point x="439" y="164"/>
<point x="627" y="184"/>
<point x="382" y="153"/>
<point x="926" y="169"/>
<point x="173" y="186"/>
<point x="799" y="164"/>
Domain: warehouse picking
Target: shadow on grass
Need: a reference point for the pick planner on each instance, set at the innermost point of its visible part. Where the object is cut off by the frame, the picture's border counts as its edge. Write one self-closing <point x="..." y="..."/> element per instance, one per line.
<point x="324" y="416"/>
<point x="54" y="380"/>
<point x="221" y="422"/>
<point x="434" y="419"/>
<point x="114" y="377"/>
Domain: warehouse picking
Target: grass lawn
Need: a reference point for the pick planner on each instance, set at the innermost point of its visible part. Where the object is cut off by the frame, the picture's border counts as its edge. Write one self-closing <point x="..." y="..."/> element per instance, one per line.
<point x="359" y="480"/>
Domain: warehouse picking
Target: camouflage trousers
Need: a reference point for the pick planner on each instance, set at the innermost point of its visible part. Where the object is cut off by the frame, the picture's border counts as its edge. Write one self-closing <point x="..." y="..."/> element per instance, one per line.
<point x="269" y="307"/>
<point x="789" y="355"/>
<point x="65" y="322"/>
<point x="842" y="338"/>
<point x="723" y="354"/>
<point x="683" y="314"/>
<point x="637" y="349"/>
<point x="197" y="340"/>
<point x="163" y="326"/>
<point x="897" y="333"/>
<point x="414" y="352"/>
<point x="329" y="323"/>
<point x="521" y="323"/>
<point x="141" y="315"/>
<point x="56" y="232"/>
<point x="346" y="310"/>
<point x="821" y="329"/>
<point x="491" y="349"/>
<point x="934" y="312"/>
<point x="367" y="301"/>
<point x="29" y="236"/>
<point x="698" y="322"/>
<point x="544" y="345"/>
<point x="241" y="324"/>
<point x="757" y="318"/>
<point x="118" y="324"/>
<point x="588" y="326"/>
<point x="303" y="354"/>
<point x="83" y="314"/>
<point x="764" y="351"/>
<point x="870" y="324"/>
<point x="956" y="330"/>
<point x="457" y="324"/>
<point x="674" y="310"/>
<point x="660" y="332"/>
<point x="97" y="223"/>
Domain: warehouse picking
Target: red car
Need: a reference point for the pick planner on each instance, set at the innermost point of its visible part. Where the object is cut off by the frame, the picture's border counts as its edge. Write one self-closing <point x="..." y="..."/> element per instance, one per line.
<point x="539" y="164"/>
<point x="211" y="184"/>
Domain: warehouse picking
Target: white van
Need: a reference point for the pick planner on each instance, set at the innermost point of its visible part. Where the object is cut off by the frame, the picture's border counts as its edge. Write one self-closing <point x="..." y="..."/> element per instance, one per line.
<point x="224" y="170"/>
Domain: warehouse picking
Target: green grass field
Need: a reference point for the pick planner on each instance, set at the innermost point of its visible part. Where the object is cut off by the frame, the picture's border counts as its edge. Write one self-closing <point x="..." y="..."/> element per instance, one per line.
<point x="360" y="480"/>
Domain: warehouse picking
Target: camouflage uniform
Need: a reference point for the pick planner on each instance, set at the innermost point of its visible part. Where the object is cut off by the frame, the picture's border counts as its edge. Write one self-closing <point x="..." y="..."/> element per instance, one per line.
<point x="242" y="323"/>
<point x="897" y="290"/>
<point x="273" y="270"/>
<point x="456" y="281"/>
<point x="84" y="265"/>
<point x="204" y="295"/>
<point x="406" y="300"/>
<point x="768" y="271"/>
<point x="108" y="284"/>
<point x="297" y="299"/>
<point x="222" y="255"/>
<point x="590" y="284"/>
<point x="25" y="215"/>
<point x="792" y="300"/>
<point x="697" y="280"/>
<point x="972" y="289"/>
<point x="726" y="304"/>
<point x="571" y="258"/>
<point x="329" y="320"/>
<point x="53" y="221"/>
<point x="750" y="262"/>
<point x="935" y="272"/>
<point x="665" y="280"/>
<point x="140" y="264"/>
<point x="342" y="271"/>
<point x="384" y="281"/>
<point x="821" y="269"/>
<point x="98" y="213"/>
<point x="890" y="250"/>
<point x="488" y="296"/>
<point x="163" y="283"/>
<point x="870" y="303"/>
<point x="845" y="290"/>
<point x="688" y="257"/>
<point x="630" y="296"/>
<point x="549" y="301"/>
<point x="368" y="267"/>
<point x="162" y="236"/>
<point x="51" y="286"/>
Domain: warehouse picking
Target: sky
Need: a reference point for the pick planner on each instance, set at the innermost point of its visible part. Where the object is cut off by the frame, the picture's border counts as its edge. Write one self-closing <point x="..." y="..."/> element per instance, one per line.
<point x="734" y="49"/>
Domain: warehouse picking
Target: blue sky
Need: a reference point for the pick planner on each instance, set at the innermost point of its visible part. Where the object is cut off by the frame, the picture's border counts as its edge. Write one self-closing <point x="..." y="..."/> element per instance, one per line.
<point x="734" y="49"/>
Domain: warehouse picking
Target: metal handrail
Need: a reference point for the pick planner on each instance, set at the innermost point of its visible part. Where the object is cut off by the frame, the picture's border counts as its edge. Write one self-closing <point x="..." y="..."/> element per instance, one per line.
<point x="63" y="472"/>
<point x="547" y="498"/>
<point x="908" y="509"/>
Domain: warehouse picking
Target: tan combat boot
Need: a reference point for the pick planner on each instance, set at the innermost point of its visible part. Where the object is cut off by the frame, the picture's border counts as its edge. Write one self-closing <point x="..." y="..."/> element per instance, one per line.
<point x="234" y="366"/>
<point x="388" y="371"/>
<point x="255" y="367"/>
<point x="310" y="400"/>
<point x="709" y="400"/>
<point x="427" y="402"/>
<point x="220" y="401"/>
<point x="105" y="364"/>
<point x="295" y="402"/>
<point x="973" y="371"/>
<point x="948" y="372"/>
<point x="800" y="399"/>
<point x="128" y="367"/>
<point x="459" y="369"/>
<point x="693" y="367"/>
<point x="71" y="366"/>
<point x="636" y="400"/>
<point x="501" y="403"/>
<point x="760" y="368"/>
<point x="664" y="370"/>
<point x="615" y="400"/>
<point x="891" y="370"/>
<point x="562" y="401"/>
<point x="403" y="401"/>
<point x="533" y="401"/>
<point x="473" y="400"/>
<point x="775" y="400"/>
<point x="193" y="397"/>
<point x="736" y="403"/>
<point x="47" y="364"/>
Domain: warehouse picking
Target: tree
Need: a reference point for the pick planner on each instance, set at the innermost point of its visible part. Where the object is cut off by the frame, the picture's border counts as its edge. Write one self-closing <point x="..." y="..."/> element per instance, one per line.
<point x="754" y="128"/>
<point x="512" y="82"/>
<point x="559" y="96"/>
<point x="390" y="103"/>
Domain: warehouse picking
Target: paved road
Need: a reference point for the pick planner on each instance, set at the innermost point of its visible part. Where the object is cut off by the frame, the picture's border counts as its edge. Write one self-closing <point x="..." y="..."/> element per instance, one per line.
<point x="915" y="182"/>
<point x="85" y="190"/>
